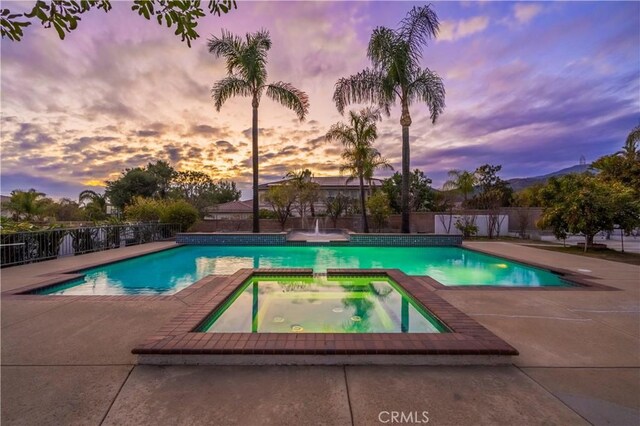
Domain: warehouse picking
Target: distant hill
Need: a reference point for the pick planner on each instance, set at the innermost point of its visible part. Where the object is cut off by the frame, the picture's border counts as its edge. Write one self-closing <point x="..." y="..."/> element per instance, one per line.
<point x="519" y="184"/>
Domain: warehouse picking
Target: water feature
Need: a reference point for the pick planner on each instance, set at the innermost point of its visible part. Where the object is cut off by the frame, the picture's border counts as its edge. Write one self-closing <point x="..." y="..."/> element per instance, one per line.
<point x="317" y="236"/>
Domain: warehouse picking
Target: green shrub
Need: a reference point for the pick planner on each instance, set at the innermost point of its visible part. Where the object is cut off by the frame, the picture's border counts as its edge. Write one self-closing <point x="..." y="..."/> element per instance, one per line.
<point x="467" y="225"/>
<point x="268" y="214"/>
<point x="181" y="212"/>
<point x="379" y="209"/>
<point x="144" y="210"/>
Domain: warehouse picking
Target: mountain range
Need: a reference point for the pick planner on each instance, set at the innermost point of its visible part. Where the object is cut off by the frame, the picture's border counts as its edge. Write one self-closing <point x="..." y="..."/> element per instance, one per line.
<point x="519" y="184"/>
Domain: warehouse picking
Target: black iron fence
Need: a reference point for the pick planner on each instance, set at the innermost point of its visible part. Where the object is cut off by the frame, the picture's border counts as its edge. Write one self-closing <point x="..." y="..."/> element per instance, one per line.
<point x="17" y="248"/>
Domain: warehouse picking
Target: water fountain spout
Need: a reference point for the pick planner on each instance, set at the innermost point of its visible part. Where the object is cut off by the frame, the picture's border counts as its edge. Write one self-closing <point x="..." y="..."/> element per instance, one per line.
<point x="317" y="230"/>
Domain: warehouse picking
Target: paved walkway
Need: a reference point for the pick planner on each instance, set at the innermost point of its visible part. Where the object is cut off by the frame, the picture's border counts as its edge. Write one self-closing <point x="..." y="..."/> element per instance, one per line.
<point x="615" y="242"/>
<point x="69" y="362"/>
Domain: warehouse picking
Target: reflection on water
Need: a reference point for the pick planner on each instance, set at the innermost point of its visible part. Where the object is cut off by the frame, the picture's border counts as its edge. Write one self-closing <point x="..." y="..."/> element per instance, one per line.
<point x="172" y="270"/>
<point x="335" y="305"/>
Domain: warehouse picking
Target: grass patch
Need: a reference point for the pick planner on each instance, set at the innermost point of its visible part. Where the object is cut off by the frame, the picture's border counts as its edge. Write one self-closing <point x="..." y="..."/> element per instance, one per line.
<point x="606" y="254"/>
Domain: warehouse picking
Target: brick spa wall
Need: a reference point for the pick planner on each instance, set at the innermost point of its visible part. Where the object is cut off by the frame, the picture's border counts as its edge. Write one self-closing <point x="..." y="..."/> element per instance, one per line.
<point x="360" y="240"/>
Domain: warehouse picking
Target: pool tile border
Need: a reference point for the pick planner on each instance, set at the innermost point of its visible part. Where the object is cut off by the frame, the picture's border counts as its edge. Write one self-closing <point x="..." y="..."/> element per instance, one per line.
<point x="355" y="240"/>
<point x="467" y="336"/>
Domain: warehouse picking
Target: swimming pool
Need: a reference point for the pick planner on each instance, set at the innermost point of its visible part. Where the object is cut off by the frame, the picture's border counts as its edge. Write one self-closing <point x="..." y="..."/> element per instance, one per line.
<point x="169" y="271"/>
<point x="350" y="304"/>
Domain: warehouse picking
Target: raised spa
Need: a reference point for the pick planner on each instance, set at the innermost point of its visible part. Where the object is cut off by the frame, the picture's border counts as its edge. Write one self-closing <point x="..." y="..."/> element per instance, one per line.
<point x="320" y="304"/>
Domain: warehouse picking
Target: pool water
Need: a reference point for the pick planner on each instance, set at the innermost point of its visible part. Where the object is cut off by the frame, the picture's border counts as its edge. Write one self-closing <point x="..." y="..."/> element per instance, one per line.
<point x="321" y="305"/>
<point x="170" y="271"/>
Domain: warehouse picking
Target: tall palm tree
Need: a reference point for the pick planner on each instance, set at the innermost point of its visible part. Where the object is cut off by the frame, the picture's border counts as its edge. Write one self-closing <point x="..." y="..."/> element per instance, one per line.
<point x="95" y="204"/>
<point x="461" y="181"/>
<point x="247" y="76"/>
<point x="361" y="159"/>
<point x="396" y="75"/>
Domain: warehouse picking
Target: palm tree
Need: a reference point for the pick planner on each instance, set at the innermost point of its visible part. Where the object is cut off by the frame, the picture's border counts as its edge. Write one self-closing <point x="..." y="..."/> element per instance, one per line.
<point x="396" y="75"/>
<point x="361" y="159"/>
<point x="247" y="76"/>
<point x="95" y="204"/>
<point x="630" y="149"/>
<point x="461" y="181"/>
<point x="27" y="205"/>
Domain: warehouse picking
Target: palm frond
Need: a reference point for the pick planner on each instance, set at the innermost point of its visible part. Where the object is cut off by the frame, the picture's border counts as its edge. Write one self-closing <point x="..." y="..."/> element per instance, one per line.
<point x="87" y="194"/>
<point x="230" y="47"/>
<point x="364" y="87"/>
<point x="427" y="87"/>
<point x="342" y="133"/>
<point x="419" y="26"/>
<point x="383" y="46"/>
<point x="254" y="58"/>
<point x="289" y="96"/>
<point x="260" y="39"/>
<point x="227" y="88"/>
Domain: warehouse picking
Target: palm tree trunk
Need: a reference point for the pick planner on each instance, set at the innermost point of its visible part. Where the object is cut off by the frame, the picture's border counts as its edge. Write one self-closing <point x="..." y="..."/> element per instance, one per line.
<point x="363" y="206"/>
<point x="254" y="148"/>
<point x="406" y="215"/>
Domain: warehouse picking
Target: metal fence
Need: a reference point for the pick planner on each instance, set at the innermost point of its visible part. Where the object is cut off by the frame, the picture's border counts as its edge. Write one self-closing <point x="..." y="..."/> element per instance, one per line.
<point x="17" y="248"/>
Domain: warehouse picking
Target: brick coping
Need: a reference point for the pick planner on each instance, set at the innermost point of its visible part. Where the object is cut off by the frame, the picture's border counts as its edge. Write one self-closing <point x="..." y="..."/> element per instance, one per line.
<point x="467" y="336"/>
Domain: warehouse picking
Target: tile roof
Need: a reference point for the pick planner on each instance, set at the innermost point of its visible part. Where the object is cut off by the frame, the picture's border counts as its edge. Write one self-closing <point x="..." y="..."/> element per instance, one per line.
<point x="326" y="181"/>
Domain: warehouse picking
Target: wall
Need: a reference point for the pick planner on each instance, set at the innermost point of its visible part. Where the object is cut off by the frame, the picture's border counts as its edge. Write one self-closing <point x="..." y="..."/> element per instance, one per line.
<point x="358" y="240"/>
<point x="421" y="222"/>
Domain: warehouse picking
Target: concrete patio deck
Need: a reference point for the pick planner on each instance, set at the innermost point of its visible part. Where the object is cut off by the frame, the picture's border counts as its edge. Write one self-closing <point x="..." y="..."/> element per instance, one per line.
<point x="70" y="362"/>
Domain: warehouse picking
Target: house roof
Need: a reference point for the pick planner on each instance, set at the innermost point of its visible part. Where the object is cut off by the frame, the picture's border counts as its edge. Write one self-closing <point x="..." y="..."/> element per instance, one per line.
<point x="327" y="182"/>
<point x="232" y="207"/>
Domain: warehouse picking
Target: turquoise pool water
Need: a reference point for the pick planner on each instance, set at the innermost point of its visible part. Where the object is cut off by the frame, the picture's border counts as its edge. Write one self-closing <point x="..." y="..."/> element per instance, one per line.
<point x="321" y="305"/>
<point x="170" y="271"/>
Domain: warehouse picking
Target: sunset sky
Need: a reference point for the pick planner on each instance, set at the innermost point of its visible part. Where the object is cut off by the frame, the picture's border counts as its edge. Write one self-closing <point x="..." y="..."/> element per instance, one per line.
<point x="531" y="86"/>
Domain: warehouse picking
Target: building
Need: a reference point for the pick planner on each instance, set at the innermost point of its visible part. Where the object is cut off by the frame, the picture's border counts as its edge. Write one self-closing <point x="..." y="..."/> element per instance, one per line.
<point x="230" y="210"/>
<point x="329" y="186"/>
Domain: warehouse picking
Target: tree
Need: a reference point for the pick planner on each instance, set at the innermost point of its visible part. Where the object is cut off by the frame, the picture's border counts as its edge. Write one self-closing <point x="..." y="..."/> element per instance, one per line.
<point x="281" y="198"/>
<point x="246" y="61"/>
<point x="27" y="205"/>
<point x="201" y="191"/>
<point x="164" y="174"/>
<point x="379" y="208"/>
<point x="95" y="205"/>
<point x="64" y="15"/>
<point x="585" y="204"/>
<point x="624" y="165"/>
<point x="336" y="207"/>
<point x="421" y="196"/>
<point x="307" y="191"/>
<point x="360" y="158"/>
<point x="493" y="192"/>
<point x="461" y="181"/>
<point x="396" y="75"/>
<point x="136" y="182"/>
<point x="65" y="210"/>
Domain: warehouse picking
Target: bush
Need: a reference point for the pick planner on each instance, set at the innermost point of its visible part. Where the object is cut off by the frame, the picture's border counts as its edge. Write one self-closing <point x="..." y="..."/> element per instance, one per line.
<point x="144" y="210"/>
<point x="467" y="225"/>
<point x="379" y="208"/>
<point x="267" y="214"/>
<point x="181" y="212"/>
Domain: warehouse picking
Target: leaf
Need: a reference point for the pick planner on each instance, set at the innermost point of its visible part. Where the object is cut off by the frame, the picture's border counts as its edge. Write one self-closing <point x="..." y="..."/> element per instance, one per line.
<point x="59" y="29"/>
